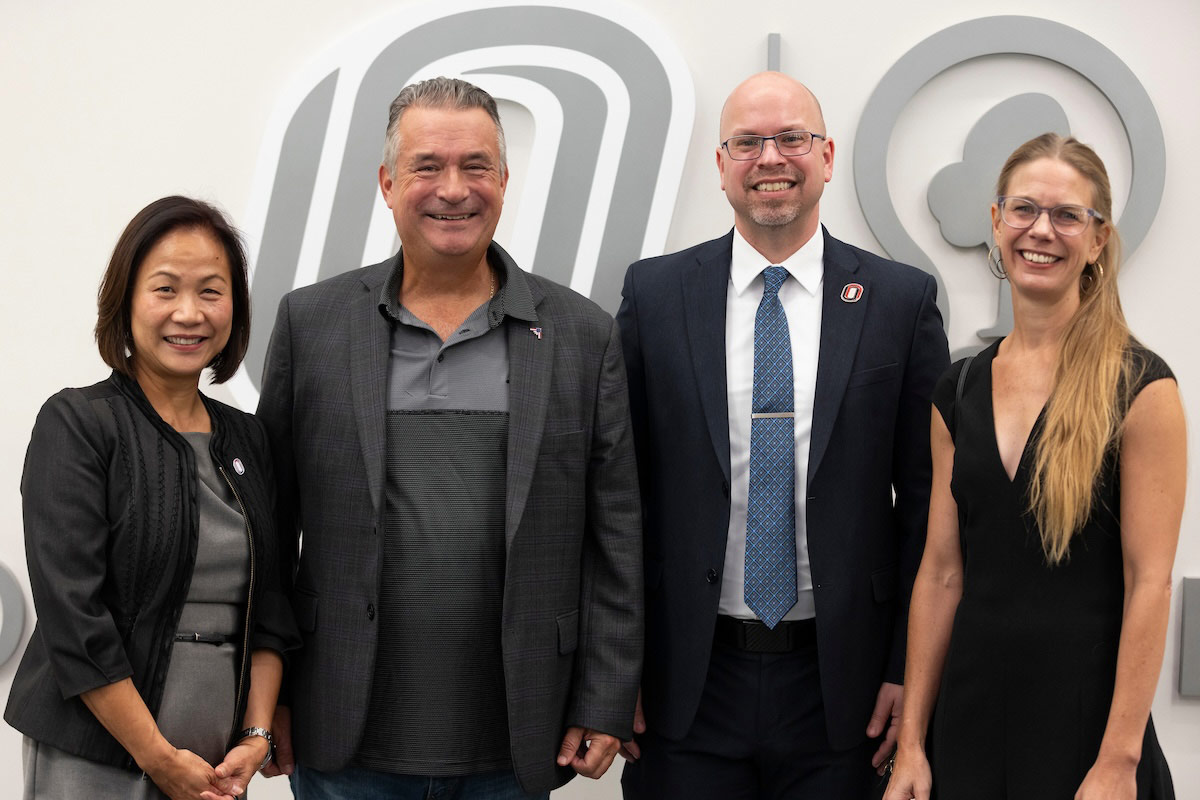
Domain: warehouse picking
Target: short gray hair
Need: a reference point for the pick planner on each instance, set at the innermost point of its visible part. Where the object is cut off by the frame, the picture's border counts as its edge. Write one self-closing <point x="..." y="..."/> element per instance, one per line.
<point x="440" y="92"/>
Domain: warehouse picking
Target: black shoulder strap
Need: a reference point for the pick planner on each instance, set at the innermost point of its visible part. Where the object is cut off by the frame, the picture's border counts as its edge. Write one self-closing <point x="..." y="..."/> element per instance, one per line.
<point x="962" y="380"/>
<point x="958" y="391"/>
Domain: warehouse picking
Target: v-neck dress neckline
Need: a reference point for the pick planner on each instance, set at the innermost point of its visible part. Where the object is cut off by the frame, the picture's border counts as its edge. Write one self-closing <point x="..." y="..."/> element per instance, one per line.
<point x="1023" y="465"/>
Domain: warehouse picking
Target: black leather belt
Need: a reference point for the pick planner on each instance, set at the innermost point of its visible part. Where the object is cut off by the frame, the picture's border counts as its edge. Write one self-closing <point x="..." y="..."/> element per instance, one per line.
<point x="755" y="637"/>
<point x="206" y="638"/>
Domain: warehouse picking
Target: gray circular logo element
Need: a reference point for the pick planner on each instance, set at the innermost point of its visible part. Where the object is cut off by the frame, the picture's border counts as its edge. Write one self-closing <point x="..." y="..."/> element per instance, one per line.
<point x="1005" y="35"/>
<point x="12" y="607"/>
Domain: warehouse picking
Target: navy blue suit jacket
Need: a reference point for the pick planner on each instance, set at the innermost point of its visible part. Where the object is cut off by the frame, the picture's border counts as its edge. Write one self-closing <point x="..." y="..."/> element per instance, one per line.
<point x="879" y="360"/>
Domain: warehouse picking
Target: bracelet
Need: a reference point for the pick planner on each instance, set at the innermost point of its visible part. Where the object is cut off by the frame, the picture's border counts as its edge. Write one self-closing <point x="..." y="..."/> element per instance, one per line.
<point x="265" y="734"/>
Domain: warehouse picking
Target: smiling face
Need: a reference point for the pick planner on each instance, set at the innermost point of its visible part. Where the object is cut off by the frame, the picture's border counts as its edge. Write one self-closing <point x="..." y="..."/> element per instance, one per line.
<point x="181" y="309"/>
<point x="774" y="194"/>
<point x="446" y="189"/>
<point x="1039" y="260"/>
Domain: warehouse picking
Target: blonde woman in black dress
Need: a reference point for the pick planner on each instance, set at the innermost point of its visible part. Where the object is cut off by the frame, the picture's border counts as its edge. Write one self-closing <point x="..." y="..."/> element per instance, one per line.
<point x="1039" y="614"/>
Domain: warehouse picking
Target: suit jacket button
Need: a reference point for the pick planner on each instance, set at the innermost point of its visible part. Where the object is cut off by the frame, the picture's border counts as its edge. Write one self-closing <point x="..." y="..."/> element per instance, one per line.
<point x="711" y="576"/>
<point x="370" y="611"/>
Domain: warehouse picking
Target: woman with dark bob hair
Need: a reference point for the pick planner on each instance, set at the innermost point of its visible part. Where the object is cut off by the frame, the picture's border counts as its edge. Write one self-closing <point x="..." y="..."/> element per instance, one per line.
<point x="1039" y="614"/>
<point x="155" y="664"/>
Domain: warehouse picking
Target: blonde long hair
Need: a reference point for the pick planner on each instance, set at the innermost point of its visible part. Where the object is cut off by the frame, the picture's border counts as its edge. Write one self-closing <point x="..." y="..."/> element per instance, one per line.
<point x="1091" y="378"/>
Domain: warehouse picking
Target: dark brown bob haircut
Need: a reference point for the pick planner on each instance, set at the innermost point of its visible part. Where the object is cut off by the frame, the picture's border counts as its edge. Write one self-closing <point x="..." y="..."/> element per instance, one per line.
<point x="113" y="333"/>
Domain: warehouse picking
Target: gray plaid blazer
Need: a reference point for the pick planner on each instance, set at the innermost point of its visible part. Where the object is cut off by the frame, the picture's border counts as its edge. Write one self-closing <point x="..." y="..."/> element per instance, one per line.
<point x="572" y="614"/>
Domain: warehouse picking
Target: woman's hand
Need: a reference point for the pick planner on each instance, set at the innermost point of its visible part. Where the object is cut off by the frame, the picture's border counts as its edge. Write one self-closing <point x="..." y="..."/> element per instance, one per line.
<point x="911" y="777"/>
<point x="183" y="775"/>
<point x="239" y="766"/>
<point x="180" y="774"/>
<point x="1109" y="779"/>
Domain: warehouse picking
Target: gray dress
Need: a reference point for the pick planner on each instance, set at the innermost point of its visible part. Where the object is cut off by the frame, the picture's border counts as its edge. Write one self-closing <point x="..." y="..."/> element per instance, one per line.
<point x="201" y="686"/>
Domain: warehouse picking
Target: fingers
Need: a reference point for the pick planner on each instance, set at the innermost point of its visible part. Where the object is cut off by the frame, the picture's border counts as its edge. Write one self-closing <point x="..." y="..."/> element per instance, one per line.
<point x="880" y="714"/>
<point x="885" y="721"/>
<point x="639" y="719"/>
<point x="284" y="762"/>
<point x="570" y="745"/>
<point x="588" y="752"/>
<point x="879" y="760"/>
<point x="234" y="773"/>
<point x="594" y="760"/>
<point x="630" y="750"/>
<point x="889" y="745"/>
<point x="885" y="757"/>
<point x="185" y="774"/>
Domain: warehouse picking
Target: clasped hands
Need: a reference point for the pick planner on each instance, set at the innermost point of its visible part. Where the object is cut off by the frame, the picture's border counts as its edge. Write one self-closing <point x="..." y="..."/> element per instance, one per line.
<point x="183" y="775"/>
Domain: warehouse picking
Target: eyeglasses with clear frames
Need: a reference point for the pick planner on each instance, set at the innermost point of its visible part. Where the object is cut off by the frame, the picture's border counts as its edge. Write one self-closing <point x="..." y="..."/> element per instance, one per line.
<point x="1067" y="220"/>
<point x="789" y="143"/>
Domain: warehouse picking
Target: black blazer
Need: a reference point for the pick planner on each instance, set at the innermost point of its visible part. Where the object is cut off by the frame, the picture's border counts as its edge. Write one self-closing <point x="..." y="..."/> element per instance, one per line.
<point x="111" y="529"/>
<point x="879" y="359"/>
<point x="571" y="620"/>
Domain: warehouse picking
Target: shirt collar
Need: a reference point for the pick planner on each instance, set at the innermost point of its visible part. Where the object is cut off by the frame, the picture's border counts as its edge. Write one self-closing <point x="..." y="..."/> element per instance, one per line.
<point x="806" y="265"/>
<point x="512" y="296"/>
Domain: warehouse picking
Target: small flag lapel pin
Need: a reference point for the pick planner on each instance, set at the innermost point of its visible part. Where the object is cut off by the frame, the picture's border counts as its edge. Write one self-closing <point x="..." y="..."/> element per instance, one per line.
<point x="536" y="332"/>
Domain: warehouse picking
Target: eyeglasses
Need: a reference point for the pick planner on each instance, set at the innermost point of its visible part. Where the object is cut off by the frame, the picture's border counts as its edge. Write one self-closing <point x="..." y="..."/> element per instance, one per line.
<point x="1068" y="220"/>
<point x="789" y="143"/>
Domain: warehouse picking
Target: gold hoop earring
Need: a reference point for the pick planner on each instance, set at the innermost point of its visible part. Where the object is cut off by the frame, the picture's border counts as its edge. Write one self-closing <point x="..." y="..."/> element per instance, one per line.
<point x="1099" y="268"/>
<point x="995" y="265"/>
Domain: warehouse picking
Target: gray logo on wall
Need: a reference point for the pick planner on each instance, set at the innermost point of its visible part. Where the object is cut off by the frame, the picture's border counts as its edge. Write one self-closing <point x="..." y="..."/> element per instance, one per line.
<point x="12" y="613"/>
<point x="607" y="95"/>
<point x="960" y="193"/>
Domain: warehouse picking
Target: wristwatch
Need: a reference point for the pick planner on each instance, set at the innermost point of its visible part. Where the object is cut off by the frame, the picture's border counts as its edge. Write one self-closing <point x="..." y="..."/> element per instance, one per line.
<point x="264" y="733"/>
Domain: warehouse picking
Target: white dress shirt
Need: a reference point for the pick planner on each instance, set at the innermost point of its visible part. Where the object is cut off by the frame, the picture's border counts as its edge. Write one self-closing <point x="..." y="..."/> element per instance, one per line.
<point x="801" y="298"/>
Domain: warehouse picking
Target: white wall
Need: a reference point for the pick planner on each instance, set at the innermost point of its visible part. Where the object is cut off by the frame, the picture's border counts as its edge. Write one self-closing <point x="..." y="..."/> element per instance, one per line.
<point x="107" y="106"/>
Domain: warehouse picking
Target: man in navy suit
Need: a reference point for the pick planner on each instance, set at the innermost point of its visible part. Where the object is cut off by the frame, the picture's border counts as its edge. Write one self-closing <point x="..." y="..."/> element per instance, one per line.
<point x="747" y="695"/>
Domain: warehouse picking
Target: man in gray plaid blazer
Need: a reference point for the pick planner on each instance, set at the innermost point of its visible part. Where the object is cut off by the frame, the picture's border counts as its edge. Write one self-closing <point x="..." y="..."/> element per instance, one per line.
<point x="458" y="497"/>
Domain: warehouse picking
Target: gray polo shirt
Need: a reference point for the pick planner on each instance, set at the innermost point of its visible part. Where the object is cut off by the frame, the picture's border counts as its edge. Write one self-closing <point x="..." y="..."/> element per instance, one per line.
<point x="438" y="700"/>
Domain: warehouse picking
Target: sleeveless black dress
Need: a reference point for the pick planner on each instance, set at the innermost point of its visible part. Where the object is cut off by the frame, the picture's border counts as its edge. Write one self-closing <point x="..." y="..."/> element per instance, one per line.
<point x="1029" y="674"/>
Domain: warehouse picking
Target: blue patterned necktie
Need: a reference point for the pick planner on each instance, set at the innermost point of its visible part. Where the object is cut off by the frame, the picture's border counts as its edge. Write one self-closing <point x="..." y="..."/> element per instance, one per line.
<point x="770" y="580"/>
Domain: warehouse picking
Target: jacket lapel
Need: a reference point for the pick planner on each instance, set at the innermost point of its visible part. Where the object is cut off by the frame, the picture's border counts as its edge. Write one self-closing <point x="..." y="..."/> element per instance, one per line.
<point x="705" y="287"/>
<point x="370" y="341"/>
<point x="841" y="326"/>
<point x="530" y="367"/>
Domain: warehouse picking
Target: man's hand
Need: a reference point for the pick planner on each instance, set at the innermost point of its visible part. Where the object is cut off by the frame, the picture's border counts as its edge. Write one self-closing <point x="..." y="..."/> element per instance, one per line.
<point x="885" y="719"/>
<point x="281" y="728"/>
<point x="630" y="749"/>
<point x="588" y="752"/>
